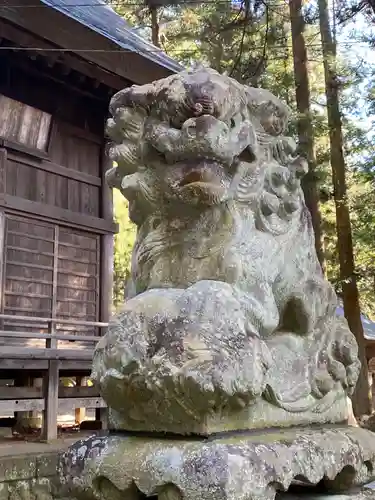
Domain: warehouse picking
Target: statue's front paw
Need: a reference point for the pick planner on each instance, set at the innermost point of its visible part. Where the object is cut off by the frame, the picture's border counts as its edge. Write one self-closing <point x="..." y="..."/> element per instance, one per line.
<point x="176" y="354"/>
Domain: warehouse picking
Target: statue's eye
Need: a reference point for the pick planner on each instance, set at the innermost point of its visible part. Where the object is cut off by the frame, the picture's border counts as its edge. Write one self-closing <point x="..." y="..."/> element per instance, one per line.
<point x="232" y="123"/>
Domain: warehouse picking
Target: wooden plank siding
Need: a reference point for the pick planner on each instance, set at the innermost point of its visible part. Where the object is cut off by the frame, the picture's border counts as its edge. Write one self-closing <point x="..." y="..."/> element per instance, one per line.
<point x="51" y="204"/>
<point x="24" y="124"/>
<point x="31" y="127"/>
<point x="50" y="271"/>
<point x="56" y="221"/>
<point x="65" y="183"/>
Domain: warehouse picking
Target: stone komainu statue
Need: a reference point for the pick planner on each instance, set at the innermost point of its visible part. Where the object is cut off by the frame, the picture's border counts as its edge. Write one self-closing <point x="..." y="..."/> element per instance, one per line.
<point x="229" y="322"/>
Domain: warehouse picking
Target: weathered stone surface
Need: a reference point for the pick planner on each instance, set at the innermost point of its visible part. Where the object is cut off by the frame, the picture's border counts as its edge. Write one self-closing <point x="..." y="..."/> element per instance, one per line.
<point x="29" y="477"/>
<point x="248" y="467"/>
<point x="36" y="489"/>
<point x="258" y="415"/>
<point x="229" y="322"/>
<point x="18" y="468"/>
<point x="46" y="465"/>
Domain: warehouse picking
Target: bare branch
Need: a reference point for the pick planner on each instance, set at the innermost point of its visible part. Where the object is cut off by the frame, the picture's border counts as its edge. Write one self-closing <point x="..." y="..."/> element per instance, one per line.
<point x="239" y="56"/>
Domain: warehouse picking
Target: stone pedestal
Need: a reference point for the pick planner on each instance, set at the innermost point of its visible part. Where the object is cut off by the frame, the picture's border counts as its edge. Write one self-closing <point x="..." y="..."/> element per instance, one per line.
<point x="249" y="466"/>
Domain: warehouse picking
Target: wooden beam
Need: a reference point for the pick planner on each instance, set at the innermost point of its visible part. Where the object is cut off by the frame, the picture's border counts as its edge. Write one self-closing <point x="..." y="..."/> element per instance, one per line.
<point x="71" y="61"/>
<point x="10" y="392"/>
<point x="68" y="404"/>
<point x="54" y="168"/>
<point x="38" y="319"/>
<point x="20" y="393"/>
<point x="39" y="69"/>
<point x="63" y="31"/>
<point x="22" y="405"/>
<point x="11" y="352"/>
<point x="22" y="148"/>
<point x="63" y="216"/>
<point x="63" y="405"/>
<point x="46" y="336"/>
<point x="79" y="392"/>
<point x="38" y="365"/>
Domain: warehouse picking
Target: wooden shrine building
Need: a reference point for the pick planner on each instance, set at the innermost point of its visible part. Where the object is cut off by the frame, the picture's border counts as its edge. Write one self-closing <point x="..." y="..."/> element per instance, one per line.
<point x="60" y="63"/>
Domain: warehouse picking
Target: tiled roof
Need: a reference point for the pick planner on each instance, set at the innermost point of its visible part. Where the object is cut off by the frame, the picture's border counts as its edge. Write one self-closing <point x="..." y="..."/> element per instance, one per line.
<point x="100" y="17"/>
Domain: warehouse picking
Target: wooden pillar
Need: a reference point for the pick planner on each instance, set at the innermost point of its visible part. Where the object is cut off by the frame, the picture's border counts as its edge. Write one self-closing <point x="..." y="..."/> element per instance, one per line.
<point x="51" y="392"/>
<point x="101" y="415"/>
<point x="21" y="380"/>
<point x="3" y="160"/>
<point x="106" y="264"/>
<point x="51" y="401"/>
<point x="32" y="383"/>
<point x="107" y="246"/>
<point x="80" y="413"/>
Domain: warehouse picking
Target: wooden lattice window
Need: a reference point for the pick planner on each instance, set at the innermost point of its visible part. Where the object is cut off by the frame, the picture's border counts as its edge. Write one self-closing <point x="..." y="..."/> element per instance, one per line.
<point x="24" y="124"/>
<point x="50" y="271"/>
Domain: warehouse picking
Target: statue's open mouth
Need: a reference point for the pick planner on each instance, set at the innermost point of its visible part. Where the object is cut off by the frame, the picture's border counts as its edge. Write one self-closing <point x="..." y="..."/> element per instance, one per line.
<point x="202" y="174"/>
<point x="194" y="177"/>
<point x="207" y="171"/>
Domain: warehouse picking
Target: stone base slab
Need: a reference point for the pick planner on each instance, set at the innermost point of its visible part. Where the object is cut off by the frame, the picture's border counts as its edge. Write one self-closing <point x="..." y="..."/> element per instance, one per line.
<point x="254" y="466"/>
<point x="260" y="415"/>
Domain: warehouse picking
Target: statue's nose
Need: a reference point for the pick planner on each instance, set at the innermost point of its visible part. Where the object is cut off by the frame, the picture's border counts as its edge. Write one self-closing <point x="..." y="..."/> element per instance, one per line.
<point x="202" y="125"/>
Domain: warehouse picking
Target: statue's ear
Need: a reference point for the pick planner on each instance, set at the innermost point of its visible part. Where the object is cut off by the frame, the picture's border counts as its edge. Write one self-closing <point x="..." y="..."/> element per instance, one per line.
<point x="113" y="178"/>
<point x="272" y="113"/>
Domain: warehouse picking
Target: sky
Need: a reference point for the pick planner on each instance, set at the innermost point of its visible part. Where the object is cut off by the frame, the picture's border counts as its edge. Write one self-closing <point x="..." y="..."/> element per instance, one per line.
<point x="352" y="49"/>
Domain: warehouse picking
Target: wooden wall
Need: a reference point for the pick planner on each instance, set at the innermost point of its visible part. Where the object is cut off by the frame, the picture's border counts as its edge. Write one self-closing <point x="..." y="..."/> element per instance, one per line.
<point x="64" y="169"/>
<point x="55" y="217"/>
<point x="50" y="271"/>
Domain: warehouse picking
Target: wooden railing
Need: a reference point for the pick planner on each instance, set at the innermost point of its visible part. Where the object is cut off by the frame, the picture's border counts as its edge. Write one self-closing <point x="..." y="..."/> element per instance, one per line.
<point x="50" y="403"/>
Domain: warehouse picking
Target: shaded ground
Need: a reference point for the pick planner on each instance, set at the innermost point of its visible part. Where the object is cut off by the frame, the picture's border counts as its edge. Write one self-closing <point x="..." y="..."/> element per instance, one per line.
<point x="18" y="437"/>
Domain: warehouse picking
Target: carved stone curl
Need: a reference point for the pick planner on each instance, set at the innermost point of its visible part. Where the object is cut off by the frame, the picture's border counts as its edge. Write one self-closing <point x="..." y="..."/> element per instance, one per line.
<point x="229" y="322"/>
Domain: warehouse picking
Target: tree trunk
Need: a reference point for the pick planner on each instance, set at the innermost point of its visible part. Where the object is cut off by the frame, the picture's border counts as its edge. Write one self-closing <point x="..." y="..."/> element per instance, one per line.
<point x="154" y="26"/>
<point x="361" y="397"/>
<point x="371" y="4"/>
<point x="305" y="128"/>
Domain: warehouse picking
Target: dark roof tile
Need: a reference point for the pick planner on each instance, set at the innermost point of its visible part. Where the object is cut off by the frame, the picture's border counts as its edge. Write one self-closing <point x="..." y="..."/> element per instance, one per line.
<point x="100" y="17"/>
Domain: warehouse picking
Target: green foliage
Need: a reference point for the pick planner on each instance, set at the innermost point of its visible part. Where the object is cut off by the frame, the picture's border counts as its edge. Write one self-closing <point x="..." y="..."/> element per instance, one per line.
<point x="124" y="241"/>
